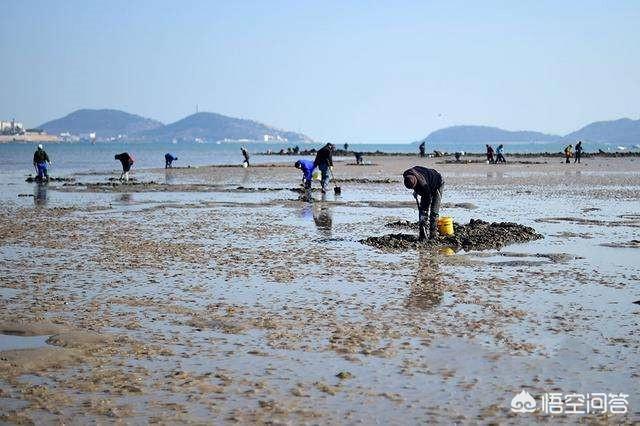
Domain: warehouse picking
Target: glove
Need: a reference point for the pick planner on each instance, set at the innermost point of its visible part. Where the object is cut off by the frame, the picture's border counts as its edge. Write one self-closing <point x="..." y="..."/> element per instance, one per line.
<point x="331" y="168"/>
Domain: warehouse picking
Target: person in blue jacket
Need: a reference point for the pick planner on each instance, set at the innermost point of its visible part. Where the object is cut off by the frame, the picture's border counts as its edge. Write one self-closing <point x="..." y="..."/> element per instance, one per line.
<point x="306" y="166"/>
<point x="168" y="160"/>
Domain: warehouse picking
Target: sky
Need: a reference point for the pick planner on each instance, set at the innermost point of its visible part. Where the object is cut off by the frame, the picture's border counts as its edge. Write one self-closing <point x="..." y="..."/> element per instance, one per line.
<point x="357" y="71"/>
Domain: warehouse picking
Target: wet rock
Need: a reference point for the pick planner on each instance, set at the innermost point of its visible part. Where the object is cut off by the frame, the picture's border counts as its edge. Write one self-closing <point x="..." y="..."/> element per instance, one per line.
<point x="626" y="244"/>
<point x="77" y="339"/>
<point x="34" y="360"/>
<point x="343" y="375"/>
<point x="366" y="180"/>
<point x="476" y="235"/>
<point x="33" y="179"/>
<point x="40" y="328"/>
<point x="467" y="206"/>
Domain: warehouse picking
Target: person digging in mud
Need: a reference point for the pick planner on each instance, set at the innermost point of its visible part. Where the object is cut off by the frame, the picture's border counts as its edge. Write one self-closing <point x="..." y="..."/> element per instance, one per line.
<point x="245" y="154"/>
<point x="324" y="162"/>
<point x="500" y="151"/>
<point x="127" y="161"/>
<point x="568" y="153"/>
<point x="490" y="159"/>
<point x="359" y="158"/>
<point x="306" y="167"/>
<point x="168" y="160"/>
<point x="40" y="161"/>
<point x="428" y="185"/>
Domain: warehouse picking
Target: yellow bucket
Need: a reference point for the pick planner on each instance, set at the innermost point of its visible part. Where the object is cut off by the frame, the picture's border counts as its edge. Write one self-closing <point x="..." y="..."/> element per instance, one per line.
<point x="445" y="225"/>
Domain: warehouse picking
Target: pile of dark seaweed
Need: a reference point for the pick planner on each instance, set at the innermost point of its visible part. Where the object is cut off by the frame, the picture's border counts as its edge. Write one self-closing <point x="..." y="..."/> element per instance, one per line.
<point x="476" y="235"/>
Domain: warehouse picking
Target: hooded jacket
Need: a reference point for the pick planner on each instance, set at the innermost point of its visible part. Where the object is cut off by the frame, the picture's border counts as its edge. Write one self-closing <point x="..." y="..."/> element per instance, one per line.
<point x="40" y="156"/>
<point x="307" y="167"/>
<point x="429" y="180"/>
<point x="324" y="156"/>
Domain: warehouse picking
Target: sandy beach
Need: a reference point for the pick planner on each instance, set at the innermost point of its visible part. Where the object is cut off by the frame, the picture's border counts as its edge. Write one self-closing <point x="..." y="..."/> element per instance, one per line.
<point x="214" y="295"/>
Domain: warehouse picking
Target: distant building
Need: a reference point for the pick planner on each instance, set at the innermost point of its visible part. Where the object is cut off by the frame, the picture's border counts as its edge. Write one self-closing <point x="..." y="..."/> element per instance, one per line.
<point x="269" y="138"/>
<point x="12" y="127"/>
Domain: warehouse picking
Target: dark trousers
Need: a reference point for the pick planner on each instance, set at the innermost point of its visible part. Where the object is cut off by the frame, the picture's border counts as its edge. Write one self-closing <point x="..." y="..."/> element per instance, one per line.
<point x="567" y="159"/>
<point x="500" y="159"/>
<point x="578" y="155"/>
<point x="430" y="210"/>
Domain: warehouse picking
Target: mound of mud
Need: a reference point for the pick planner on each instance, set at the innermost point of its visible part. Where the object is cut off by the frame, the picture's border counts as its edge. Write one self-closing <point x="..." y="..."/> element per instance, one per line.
<point x="476" y="235"/>
<point x="365" y="180"/>
<point x="32" y="179"/>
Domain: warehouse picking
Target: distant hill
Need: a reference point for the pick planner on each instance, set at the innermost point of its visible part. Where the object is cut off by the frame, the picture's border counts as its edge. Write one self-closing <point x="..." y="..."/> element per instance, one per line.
<point x="213" y="127"/>
<point x="104" y="122"/>
<point x="622" y="131"/>
<point x="486" y="134"/>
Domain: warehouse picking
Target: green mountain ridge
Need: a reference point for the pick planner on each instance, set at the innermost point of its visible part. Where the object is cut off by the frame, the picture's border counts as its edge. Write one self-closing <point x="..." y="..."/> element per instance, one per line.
<point x="212" y="126"/>
<point x="104" y="122"/>
<point x="107" y="123"/>
<point x="486" y="134"/>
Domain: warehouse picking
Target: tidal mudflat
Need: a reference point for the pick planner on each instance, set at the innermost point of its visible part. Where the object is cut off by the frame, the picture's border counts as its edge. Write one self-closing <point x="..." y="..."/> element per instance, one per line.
<point x="213" y="294"/>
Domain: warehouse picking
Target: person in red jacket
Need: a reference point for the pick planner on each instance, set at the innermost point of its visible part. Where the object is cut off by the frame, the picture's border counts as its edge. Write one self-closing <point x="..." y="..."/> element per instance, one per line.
<point x="428" y="185"/>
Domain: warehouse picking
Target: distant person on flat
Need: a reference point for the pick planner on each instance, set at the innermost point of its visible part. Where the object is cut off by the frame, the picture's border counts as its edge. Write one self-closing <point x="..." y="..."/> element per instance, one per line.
<point x="421" y="147"/>
<point x="500" y="152"/>
<point x="245" y="154"/>
<point x="578" y="152"/>
<point x="127" y="161"/>
<point x="168" y="160"/>
<point x="490" y="158"/>
<point x="40" y="161"/>
<point x="568" y="153"/>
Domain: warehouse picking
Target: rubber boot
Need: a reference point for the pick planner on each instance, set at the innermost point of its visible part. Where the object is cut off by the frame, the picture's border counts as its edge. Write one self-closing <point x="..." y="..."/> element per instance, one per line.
<point x="433" y="230"/>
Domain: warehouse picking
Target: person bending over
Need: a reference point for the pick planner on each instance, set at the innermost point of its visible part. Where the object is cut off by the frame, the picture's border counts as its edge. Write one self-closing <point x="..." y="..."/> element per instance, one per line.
<point x="427" y="184"/>
<point x="127" y="161"/>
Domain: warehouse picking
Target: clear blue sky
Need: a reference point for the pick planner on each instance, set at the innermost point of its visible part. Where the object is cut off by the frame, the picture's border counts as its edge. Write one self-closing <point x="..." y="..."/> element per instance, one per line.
<point x="340" y="70"/>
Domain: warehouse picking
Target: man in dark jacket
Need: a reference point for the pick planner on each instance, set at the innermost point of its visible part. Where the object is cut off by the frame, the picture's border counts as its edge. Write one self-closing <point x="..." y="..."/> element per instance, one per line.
<point x="168" y="160"/>
<point x="428" y="184"/>
<point x="127" y="161"/>
<point x="422" y="149"/>
<point x="324" y="162"/>
<point x="578" y="152"/>
<point x="40" y="161"/>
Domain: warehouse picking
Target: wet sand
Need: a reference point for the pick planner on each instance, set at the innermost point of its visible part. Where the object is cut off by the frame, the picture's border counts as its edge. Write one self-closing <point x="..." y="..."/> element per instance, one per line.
<point x="213" y="295"/>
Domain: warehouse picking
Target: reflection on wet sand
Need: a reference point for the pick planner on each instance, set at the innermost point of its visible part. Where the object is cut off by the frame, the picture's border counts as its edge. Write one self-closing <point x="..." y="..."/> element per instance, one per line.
<point x="125" y="197"/>
<point x="427" y="288"/>
<point x="169" y="177"/>
<point x="323" y="218"/>
<point x="40" y="194"/>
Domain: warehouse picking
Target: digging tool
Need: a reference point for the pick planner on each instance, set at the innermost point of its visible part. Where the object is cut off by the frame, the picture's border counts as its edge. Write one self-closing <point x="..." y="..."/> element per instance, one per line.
<point x="422" y="235"/>
<point x="336" y="189"/>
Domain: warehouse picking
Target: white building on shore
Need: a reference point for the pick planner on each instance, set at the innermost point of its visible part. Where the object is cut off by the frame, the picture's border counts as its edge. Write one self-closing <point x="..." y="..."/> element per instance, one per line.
<point x="12" y="127"/>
